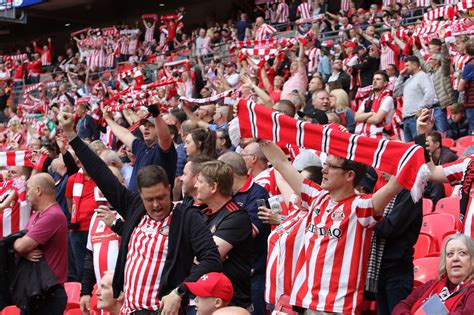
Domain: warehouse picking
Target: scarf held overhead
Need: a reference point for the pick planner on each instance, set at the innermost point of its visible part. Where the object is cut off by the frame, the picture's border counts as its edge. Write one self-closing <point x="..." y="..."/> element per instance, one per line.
<point x="404" y="160"/>
<point x="22" y="158"/>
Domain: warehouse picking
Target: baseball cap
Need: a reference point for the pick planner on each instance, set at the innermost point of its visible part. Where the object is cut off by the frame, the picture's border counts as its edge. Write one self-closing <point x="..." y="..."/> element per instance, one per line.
<point x="306" y="158"/>
<point x="214" y="284"/>
<point x="369" y="180"/>
<point x="349" y="44"/>
<point x="359" y="48"/>
<point x="149" y="119"/>
<point x="318" y="115"/>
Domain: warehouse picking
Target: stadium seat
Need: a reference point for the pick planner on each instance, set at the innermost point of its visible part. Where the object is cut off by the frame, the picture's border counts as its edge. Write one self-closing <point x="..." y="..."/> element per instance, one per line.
<point x="425" y="269"/>
<point x="459" y="150"/>
<point x="448" y="189"/>
<point x="283" y="305"/>
<point x="11" y="310"/>
<point x="427" y="206"/>
<point x="448" y="205"/>
<point x="71" y="306"/>
<point x="447" y="142"/>
<point x="446" y="236"/>
<point x="437" y="224"/>
<point x="465" y="141"/>
<point x="424" y="245"/>
<point x="73" y="291"/>
<point x="74" y="311"/>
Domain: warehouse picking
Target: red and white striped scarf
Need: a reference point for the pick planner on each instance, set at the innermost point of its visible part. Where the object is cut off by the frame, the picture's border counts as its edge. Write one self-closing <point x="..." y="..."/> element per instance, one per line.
<point x="22" y="158"/>
<point x="128" y="73"/>
<point x="119" y="108"/>
<point x="434" y="27"/>
<point x="259" y="52"/>
<point x="208" y="100"/>
<point x="440" y="12"/>
<point x="311" y="20"/>
<point x="256" y="42"/>
<point x="465" y="5"/>
<point x="84" y="30"/>
<point x="77" y="189"/>
<point x="406" y="161"/>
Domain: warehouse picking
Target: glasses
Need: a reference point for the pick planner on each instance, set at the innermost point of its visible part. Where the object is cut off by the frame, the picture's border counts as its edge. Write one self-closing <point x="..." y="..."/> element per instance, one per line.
<point x="333" y="167"/>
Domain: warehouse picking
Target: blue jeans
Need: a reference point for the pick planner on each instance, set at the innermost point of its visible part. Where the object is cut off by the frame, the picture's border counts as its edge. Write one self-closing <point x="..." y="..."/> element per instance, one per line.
<point x="470" y="118"/>
<point x="54" y="304"/>
<point x="441" y="122"/>
<point x="257" y="287"/>
<point x="78" y="245"/>
<point x="409" y="128"/>
<point x="393" y="289"/>
<point x="71" y="262"/>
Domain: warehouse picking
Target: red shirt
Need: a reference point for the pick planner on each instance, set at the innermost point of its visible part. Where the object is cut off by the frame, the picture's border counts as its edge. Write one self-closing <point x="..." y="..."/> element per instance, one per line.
<point x="49" y="229"/>
<point x="87" y="204"/>
<point x="34" y="67"/>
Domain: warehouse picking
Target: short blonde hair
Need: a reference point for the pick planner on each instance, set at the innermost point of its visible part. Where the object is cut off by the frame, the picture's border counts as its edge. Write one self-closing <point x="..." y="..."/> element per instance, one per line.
<point x="342" y="99"/>
<point x="469" y="242"/>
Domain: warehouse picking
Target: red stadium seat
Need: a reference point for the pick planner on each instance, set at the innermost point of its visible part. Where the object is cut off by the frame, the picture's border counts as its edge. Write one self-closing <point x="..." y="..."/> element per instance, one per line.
<point x="446" y="236"/>
<point x="73" y="291"/>
<point x="448" y="205"/>
<point x="283" y="305"/>
<point x="448" y="189"/>
<point x="424" y="245"/>
<point x="425" y="269"/>
<point x="11" y="310"/>
<point x="427" y="206"/>
<point x="71" y="306"/>
<point x="74" y="311"/>
<point x="459" y="150"/>
<point x="437" y="224"/>
<point x="447" y="142"/>
<point x="465" y="141"/>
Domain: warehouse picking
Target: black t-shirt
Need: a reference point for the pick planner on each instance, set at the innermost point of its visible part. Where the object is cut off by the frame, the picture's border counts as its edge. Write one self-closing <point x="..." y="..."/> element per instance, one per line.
<point x="232" y="224"/>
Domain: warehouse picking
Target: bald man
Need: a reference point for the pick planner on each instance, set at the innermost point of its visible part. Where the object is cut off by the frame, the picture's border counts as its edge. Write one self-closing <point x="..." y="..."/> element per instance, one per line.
<point x="231" y="310"/>
<point x="46" y="238"/>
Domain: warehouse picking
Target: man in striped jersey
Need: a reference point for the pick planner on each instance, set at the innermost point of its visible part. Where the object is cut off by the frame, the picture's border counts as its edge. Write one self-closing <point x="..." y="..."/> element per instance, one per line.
<point x="160" y="241"/>
<point x="330" y="272"/>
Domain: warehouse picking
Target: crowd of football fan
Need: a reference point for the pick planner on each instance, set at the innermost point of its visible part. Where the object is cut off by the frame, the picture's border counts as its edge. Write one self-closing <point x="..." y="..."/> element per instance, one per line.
<point x="123" y="167"/>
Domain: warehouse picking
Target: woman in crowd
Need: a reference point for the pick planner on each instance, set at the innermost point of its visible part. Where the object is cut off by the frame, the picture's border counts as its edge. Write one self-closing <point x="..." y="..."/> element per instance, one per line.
<point x="339" y="101"/>
<point x="200" y="142"/>
<point x="453" y="290"/>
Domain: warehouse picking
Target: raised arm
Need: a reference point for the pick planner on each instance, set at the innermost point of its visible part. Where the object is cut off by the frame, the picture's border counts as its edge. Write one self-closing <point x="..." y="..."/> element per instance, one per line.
<point x="278" y="159"/>
<point x="119" y="197"/>
<point x="383" y="196"/>
<point x="165" y="140"/>
<point x="123" y="134"/>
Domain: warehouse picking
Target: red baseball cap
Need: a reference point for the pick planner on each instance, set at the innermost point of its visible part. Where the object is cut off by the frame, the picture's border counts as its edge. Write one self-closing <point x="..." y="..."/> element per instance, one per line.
<point x="350" y="44"/>
<point x="214" y="284"/>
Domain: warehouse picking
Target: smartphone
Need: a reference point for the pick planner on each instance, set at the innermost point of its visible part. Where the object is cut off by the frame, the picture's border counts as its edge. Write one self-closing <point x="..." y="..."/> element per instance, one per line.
<point x="432" y="115"/>
<point x="261" y="203"/>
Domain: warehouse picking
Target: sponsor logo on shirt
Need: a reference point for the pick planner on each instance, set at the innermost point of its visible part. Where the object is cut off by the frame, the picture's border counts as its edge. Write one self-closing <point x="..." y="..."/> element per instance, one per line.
<point x="324" y="231"/>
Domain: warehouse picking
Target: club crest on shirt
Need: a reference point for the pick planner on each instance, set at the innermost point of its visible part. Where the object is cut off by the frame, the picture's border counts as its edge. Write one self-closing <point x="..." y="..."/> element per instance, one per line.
<point x="338" y="215"/>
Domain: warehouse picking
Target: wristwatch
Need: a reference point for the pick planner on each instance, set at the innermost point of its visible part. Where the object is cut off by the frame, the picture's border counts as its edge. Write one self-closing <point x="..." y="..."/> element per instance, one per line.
<point x="115" y="222"/>
<point x="180" y="291"/>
